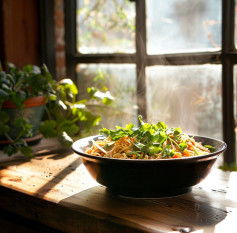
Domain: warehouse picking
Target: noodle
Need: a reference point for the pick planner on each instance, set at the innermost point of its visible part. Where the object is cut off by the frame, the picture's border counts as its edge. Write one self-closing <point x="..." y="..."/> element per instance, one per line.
<point x="149" y="141"/>
<point x="124" y="149"/>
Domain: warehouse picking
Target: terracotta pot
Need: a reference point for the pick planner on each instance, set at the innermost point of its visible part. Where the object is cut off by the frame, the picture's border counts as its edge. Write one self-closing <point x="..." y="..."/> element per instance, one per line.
<point x="32" y="111"/>
<point x="31" y="102"/>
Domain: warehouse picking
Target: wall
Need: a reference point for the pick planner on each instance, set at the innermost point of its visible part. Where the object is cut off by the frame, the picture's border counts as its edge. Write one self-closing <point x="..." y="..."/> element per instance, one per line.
<point x="20" y="43"/>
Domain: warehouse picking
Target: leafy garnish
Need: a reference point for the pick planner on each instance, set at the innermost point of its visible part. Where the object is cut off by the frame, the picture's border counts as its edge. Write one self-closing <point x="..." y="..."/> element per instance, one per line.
<point x="182" y="146"/>
<point x="152" y="139"/>
<point x="211" y="148"/>
<point x="168" y="151"/>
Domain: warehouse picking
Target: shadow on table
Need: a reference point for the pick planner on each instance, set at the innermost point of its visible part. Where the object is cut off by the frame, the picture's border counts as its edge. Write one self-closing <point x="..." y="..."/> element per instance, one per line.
<point x="60" y="175"/>
<point x="48" y="166"/>
<point x="181" y="213"/>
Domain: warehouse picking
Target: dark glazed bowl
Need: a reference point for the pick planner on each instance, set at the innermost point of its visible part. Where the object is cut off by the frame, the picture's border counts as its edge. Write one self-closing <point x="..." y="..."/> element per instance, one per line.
<point x="149" y="178"/>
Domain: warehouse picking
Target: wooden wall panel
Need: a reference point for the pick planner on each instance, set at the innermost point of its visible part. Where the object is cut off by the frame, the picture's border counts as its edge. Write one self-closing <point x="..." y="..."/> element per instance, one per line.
<point x="20" y="32"/>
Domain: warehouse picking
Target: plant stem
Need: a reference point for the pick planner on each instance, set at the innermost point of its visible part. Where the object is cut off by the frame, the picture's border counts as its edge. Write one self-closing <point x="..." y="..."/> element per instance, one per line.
<point x="8" y="137"/>
<point x="48" y="113"/>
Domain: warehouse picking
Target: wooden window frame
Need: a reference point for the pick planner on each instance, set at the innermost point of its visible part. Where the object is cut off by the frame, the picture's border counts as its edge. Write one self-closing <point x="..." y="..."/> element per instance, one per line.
<point x="227" y="57"/>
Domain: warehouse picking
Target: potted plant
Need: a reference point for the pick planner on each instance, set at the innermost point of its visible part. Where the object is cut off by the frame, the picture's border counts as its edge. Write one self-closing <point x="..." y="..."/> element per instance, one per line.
<point x="65" y="117"/>
<point x="69" y="118"/>
<point x="23" y="95"/>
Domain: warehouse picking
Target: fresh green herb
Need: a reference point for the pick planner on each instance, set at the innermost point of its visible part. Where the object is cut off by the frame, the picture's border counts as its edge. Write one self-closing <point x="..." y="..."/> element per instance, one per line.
<point x="168" y="151"/>
<point x="211" y="148"/>
<point x="152" y="139"/>
<point x="183" y="146"/>
<point x="155" y="150"/>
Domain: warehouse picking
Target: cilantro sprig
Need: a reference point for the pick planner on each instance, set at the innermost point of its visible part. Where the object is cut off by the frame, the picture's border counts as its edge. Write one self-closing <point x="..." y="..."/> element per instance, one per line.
<point x="149" y="138"/>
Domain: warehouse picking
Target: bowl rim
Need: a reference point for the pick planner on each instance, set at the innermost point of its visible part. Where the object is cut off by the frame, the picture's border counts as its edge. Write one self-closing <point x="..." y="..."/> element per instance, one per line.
<point x="191" y="158"/>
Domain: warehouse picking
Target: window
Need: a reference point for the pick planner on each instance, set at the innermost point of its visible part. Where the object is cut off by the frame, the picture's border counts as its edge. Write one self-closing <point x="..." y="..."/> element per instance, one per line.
<point x="171" y="62"/>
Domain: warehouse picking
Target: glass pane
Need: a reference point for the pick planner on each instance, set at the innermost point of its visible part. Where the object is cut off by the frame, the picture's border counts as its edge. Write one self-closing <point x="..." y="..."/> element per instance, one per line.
<point x="105" y="26"/>
<point x="121" y="82"/>
<point x="183" y="26"/>
<point x="186" y="96"/>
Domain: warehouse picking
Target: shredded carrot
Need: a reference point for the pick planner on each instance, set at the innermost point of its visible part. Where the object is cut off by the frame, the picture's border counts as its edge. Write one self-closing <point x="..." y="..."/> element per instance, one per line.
<point x="177" y="155"/>
<point x="185" y="153"/>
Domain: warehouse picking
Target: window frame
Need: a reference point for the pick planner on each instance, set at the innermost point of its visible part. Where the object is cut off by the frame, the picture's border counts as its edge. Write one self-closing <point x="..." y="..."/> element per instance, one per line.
<point x="227" y="57"/>
<point x="47" y="35"/>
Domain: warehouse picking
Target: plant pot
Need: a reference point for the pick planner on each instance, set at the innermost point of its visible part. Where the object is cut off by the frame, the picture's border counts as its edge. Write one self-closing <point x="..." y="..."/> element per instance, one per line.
<point x="32" y="111"/>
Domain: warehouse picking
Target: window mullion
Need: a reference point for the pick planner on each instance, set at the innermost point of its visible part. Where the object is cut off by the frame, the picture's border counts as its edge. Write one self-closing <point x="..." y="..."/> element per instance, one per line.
<point x="228" y="7"/>
<point x="105" y="58"/>
<point x="70" y="37"/>
<point x="46" y="8"/>
<point x="184" y="59"/>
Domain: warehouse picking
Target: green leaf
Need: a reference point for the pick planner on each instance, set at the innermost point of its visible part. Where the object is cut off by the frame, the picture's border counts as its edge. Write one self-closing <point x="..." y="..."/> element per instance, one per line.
<point x="183" y="146"/>
<point x="18" y="98"/>
<point x="62" y="104"/>
<point x="27" y="151"/>
<point x="68" y="127"/>
<point x="100" y="76"/>
<point x="161" y="125"/>
<point x="155" y="150"/>
<point x="52" y="97"/>
<point x="91" y="91"/>
<point x="140" y="146"/>
<point x="105" y="132"/>
<point x="140" y="119"/>
<point x="4" y="129"/>
<point x="11" y="79"/>
<point x="18" y="146"/>
<point x="168" y="152"/>
<point x="162" y="136"/>
<point x="6" y="88"/>
<point x="211" y="148"/>
<point x="31" y="69"/>
<point x="130" y="126"/>
<point x="2" y="76"/>
<point x="4" y="80"/>
<point x="76" y="109"/>
<point x="107" y="101"/>
<point x="3" y="95"/>
<point x="177" y="131"/>
<point x="4" y="117"/>
<point x="68" y="88"/>
<point x="65" y="140"/>
<point x="145" y="127"/>
<point x="48" y="129"/>
<point x="10" y="149"/>
<point x="23" y="125"/>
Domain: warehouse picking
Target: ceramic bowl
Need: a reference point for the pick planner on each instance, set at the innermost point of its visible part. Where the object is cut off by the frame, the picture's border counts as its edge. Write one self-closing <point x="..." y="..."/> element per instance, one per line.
<point x="149" y="178"/>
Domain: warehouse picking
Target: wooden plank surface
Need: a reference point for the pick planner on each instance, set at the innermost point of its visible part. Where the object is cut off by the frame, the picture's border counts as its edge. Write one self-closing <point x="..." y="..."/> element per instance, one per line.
<point x="56" y="190"/>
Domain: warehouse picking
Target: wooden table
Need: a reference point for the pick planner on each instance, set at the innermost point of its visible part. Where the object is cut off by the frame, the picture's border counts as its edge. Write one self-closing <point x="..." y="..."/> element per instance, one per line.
<point x="54" y="193"/>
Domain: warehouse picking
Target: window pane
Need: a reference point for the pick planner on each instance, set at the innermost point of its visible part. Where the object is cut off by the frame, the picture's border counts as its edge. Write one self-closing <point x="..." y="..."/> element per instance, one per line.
<point x="186" y="96"/>
<point x="105" y="26"/>
<point x="183" y="26"/>
<point x="120" y="81"/>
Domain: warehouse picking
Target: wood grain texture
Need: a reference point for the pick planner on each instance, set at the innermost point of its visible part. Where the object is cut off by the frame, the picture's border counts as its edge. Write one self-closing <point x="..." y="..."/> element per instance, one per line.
<point x="55" y="190"/>
<point x="20" y="29"/>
